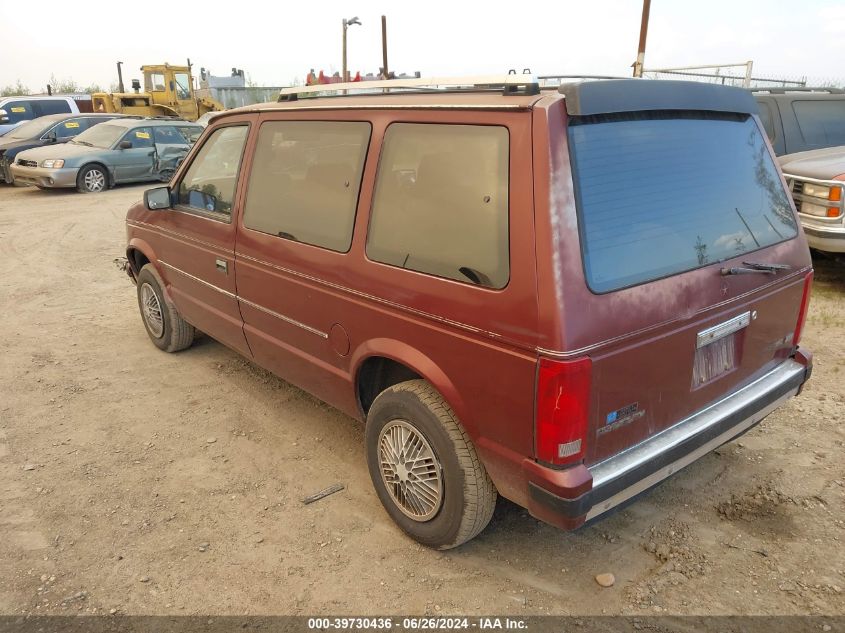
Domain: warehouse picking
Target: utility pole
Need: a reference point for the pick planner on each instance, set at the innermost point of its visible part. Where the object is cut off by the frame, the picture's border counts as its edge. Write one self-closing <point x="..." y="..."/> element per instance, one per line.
<point x="385" y="72"/>
<point x="638" y="65"/>
<point x="343" y="71"/>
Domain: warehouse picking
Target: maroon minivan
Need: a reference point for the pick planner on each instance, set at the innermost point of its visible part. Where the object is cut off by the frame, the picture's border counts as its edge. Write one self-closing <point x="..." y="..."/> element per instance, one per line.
<point x="560" y="296"/>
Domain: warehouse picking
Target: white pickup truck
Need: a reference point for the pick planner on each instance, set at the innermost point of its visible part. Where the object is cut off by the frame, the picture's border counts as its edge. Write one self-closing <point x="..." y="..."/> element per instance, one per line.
<point x="17" y="110"/>
<point x="807" y="129"/>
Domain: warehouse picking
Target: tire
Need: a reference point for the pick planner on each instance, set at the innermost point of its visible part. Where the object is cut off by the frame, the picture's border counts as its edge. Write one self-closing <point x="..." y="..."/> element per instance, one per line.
<point x="166" y="328"/>
<point x="459" y="500"/>
<point x="92" y="179"/>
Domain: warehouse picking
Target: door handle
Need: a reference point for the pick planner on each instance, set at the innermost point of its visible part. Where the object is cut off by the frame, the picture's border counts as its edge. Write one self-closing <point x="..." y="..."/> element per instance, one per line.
<point x="222" y="265"/>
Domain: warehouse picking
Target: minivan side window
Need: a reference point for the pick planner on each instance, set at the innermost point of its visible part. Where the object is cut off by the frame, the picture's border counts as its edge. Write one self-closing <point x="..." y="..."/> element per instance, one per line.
<point x="441" y="202"/>
<point x="209" y="184"/>
<point x="305" y="181"/>
<point x="44" y="107"/>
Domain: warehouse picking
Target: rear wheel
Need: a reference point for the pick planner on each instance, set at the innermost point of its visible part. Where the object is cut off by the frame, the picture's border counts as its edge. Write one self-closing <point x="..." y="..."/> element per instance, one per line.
<point x="165" y="326"/>
<point x="92" y="179"/>
<point x="424" y="467"/>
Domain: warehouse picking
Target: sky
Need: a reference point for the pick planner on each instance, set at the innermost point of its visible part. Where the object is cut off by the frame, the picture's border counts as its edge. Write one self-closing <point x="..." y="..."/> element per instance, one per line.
<point x="276" y="43"/>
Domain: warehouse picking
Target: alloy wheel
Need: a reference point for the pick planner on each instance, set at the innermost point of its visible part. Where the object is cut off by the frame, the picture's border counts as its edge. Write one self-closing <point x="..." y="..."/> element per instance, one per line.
<point x="151" y="310"/>
<point x="410" y="470"/>
<point x="95" y="180"/>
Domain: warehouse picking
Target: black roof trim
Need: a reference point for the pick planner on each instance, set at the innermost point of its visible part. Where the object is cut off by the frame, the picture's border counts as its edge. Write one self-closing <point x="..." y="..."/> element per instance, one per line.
<point x="635" y="95"/>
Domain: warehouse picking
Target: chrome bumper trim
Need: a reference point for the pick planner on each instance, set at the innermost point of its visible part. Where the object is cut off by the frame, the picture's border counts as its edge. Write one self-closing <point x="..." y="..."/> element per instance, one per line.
<point x="618" y="466"/>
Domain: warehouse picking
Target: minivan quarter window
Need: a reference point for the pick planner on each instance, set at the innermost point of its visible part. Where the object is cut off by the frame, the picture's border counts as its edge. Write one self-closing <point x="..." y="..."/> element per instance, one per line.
<point x="441" y="202"/>
<point x="305" y="181"/>
<point x="210" y="182"/>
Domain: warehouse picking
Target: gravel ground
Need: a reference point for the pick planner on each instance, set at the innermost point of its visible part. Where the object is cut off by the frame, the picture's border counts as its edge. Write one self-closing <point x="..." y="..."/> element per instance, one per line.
<point x="137" y="482"/>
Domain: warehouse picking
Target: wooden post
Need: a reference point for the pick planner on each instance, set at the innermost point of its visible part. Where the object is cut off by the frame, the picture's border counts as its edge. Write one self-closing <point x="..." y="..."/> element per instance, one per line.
<point x="638" y="65"/>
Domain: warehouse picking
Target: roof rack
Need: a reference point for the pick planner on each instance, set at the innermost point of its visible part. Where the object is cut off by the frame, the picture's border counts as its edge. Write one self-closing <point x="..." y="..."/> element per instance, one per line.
<point x="511" y="84"/>
<point x="784" y="90"/>
<point x="546" y="81"/>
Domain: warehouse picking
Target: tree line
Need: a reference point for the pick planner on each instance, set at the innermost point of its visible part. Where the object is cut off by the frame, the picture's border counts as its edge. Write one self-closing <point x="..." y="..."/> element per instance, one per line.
<point x="58" y="86"/>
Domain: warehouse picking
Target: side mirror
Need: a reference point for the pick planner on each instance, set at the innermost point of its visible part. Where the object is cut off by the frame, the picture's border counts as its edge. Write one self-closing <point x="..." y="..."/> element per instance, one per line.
<point x="158" y="198"/>
<point x="125" y="145"/>
<point x="4" y="116"/>
<point x="51" y="136"/>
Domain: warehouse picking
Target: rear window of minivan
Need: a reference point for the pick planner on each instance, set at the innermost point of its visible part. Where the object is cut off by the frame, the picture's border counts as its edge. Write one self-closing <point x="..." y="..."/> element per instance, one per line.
<point x="660" y="193"/>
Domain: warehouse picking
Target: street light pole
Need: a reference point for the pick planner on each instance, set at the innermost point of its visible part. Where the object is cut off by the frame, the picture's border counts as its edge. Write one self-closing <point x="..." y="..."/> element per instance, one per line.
<point x="346" y="25"/>
<point x="343" y="76"/>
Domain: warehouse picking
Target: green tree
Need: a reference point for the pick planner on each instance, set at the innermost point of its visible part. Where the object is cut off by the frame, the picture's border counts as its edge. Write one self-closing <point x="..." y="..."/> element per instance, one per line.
<point x="14" y="91"/>
<point x="62" y="86"/>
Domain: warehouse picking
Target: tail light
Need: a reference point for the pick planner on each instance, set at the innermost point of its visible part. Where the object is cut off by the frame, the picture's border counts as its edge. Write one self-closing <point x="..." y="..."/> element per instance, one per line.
<point x="563" y="404"/>
<point x="802" y="312"/>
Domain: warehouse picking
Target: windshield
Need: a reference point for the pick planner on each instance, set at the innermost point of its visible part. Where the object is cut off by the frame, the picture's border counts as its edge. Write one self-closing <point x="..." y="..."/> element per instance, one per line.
<point x="102" y="136"/>
<point x="30" y="129"/>
<point x="661" y="193"/>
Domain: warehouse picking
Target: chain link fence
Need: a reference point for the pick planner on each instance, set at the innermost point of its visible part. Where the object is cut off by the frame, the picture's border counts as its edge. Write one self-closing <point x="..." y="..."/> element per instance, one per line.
<point x="743" y="76"/>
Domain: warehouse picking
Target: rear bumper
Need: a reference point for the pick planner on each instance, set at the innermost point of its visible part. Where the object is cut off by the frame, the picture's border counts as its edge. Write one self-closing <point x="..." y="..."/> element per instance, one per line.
<point x="570" y="497"/>
<point x="43" y="177"/>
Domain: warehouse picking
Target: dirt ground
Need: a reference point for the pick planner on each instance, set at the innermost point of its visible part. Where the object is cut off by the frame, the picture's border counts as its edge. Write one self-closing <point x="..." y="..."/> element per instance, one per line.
<point x="138" y="482"/>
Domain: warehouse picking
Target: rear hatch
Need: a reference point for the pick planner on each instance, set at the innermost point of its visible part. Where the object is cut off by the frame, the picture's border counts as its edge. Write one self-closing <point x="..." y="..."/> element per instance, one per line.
<point x="694" y="266"/>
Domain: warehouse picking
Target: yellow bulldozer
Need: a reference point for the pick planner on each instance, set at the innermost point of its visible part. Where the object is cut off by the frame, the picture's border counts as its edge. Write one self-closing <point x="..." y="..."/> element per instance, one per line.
<point x="168" y="91"/>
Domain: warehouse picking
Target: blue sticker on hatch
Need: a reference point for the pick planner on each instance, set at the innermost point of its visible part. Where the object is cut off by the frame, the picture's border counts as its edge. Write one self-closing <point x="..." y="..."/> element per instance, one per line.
<point x="621" y="417"/>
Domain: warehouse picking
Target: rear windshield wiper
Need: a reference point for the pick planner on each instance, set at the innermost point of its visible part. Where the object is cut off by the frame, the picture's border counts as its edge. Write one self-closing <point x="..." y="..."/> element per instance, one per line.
<point x="749" y="268"/>
<point x="772" y="267"/>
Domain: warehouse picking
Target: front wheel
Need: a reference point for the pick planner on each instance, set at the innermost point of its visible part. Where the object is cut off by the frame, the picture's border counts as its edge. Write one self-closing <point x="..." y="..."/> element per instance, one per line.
<point x="165" y="326"/>
<point x="92" y="179"/>
<point x="424" y="467"/>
